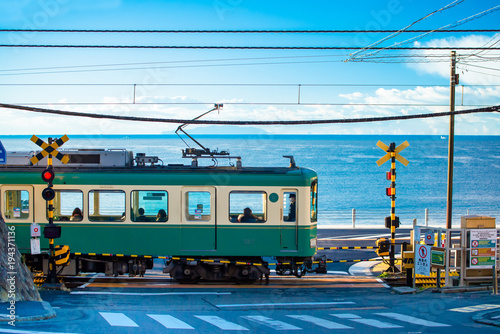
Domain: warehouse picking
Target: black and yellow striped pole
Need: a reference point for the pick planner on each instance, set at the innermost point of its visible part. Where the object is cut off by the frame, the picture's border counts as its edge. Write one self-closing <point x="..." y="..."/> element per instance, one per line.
<point x="51" y="231"/>
<point x="52" y="276"/>
<point x="392" y="150"/>
<point x="393" y="222"/>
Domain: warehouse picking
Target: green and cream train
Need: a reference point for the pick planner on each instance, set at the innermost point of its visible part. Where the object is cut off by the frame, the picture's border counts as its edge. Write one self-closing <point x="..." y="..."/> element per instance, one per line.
<point x="117" y="212"/>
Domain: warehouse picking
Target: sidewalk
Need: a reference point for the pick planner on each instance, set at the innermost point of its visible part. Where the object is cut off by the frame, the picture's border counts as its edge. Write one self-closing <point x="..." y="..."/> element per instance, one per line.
<point x="26" y="311"/>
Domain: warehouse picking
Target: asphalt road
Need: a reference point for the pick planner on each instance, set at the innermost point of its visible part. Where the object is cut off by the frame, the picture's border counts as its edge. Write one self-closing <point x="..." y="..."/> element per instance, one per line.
<point x="317" y="304"/>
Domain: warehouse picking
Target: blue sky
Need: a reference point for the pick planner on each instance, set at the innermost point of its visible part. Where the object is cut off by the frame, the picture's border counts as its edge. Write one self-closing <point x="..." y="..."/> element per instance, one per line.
<point x="252" y="84"/>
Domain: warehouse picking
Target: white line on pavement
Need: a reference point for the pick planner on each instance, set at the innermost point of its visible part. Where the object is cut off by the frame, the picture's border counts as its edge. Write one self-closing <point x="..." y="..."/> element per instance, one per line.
<point x="118" y="319"/>
<point x="221" y="323"/>
<point x="320" y="322"/>
<point x="412" y="320"/>
<point x="271" y="323"/>
<point x="169" y="321"/>
<point x="147" y="293"/>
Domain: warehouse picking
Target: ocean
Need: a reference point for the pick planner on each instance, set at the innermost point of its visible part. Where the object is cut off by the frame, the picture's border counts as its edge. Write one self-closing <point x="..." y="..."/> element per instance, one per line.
<point x="349" y="177"/>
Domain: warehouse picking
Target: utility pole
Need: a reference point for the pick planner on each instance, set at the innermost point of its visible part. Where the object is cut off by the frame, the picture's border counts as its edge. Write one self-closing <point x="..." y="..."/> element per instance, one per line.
<point x="451" y="141"/>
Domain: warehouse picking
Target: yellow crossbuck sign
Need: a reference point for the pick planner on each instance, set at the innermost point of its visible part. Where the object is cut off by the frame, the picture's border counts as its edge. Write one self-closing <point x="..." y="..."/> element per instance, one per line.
<point x="398" y="149"/>
<point x="49" y="149"/>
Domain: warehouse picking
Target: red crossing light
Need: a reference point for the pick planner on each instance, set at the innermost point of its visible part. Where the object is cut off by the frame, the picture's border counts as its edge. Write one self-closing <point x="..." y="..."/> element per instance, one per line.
<point x="48" y="175"/>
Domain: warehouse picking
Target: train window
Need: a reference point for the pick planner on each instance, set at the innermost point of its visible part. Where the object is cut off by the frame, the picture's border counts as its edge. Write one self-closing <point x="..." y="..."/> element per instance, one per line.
<point x="106" y="205"/>
<point x="198" y="205"/>
<point x="289" y="206"/>
<point x="314" y="201"/>
<point x="247" y="206"/>
<point x="68" y="205"/>
<point x="17" y="204"/>
<point x="149" y="206"/>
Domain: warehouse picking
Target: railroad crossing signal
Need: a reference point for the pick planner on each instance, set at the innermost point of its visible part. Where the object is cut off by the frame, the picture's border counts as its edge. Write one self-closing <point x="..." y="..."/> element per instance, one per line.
<point x="50" y="231"/>
<point x="396" y="150"/>
<point x="392" y="222"/>
<point x="50" y="149"/>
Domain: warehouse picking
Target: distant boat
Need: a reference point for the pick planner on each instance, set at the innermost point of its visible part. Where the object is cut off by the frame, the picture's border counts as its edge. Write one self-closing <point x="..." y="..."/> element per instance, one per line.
<point x="443" y="137"/>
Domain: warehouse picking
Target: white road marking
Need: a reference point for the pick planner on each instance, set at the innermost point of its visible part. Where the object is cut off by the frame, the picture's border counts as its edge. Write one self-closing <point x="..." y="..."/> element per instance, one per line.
<point x="83" y="286"/>
<point x="376" y="323"/>
<point x="381" y="281"/>
<point x="283" y="304"/>
<point x="337" y="272"/>
<point x="320" y="322"/>
<point x="475" y="308"/>
<point x="274" y="324"/>
<point x="346" y="316"/>
<point x="221" y="323"/>
<point x="118" y="319"/>
<point x="412" y="320"/>
<point x="147" y="293"/>
<point x="169" y="321"/>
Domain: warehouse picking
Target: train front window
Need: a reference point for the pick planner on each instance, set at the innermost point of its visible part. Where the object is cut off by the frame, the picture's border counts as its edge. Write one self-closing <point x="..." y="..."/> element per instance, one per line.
<point x="198" y="205"/>
<point x="314" y="201"/>
<point x="149" y="206"/>
<point x="68" y="205"/>
<point x="106" y="205"/>
<point x="247" y="206"/>
<point x="17" y="204"/>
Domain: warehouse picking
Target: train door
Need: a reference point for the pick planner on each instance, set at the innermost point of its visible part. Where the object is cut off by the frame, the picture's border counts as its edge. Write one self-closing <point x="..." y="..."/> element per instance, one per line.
<point x="289" y="221"/>
<point x="198" y="222"/>
<point x="17" y="203"/>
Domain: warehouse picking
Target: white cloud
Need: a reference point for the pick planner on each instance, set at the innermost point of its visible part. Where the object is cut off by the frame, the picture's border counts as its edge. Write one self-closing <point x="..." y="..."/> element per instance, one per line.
<point x="466" y="65"/>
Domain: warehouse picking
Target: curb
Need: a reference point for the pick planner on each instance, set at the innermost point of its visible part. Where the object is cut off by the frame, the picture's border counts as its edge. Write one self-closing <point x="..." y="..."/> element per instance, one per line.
<point x="39" y="311"/>
<point x="481" y="318"/>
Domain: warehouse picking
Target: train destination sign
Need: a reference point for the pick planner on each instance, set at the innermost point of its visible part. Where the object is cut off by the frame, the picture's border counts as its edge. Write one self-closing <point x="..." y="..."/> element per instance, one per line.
<point x="483" y="248"/>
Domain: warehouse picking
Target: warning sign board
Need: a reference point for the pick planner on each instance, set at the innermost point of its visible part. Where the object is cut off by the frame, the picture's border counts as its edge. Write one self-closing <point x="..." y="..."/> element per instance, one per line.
<point x="483" y="248"/>
<point x="423" y="260"/>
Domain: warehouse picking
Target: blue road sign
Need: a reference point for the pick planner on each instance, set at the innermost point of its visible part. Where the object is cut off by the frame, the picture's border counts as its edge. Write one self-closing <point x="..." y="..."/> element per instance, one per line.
<point x="3" y="155"/>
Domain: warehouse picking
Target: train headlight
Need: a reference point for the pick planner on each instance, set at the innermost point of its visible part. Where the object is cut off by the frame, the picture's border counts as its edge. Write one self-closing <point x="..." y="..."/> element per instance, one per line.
<point x="313" y="243"/>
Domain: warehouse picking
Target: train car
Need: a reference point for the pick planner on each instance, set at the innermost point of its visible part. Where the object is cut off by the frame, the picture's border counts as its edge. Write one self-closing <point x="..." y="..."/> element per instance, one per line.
<point x="118" y="212"/>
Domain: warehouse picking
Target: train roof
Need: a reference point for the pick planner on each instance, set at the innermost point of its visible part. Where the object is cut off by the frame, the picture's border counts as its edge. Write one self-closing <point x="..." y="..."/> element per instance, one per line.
<point x="120" y="167"/>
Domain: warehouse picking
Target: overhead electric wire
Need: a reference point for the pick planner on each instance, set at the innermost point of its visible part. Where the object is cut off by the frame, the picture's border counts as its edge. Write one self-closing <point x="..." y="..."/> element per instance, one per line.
<point x="345" y="31"/>
<point x="233" y="47"/>
<point x="454" y="24"/>
<point x="249" y="84"/>
<point x="170" y="62"/>
<point x="448" y="6"/>
<point x="240" y="104"/>
<point x="215" y="122"/>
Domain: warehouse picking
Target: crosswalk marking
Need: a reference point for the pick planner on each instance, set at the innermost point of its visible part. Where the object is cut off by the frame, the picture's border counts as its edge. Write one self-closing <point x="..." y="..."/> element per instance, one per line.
<point x="376" y="323"/>
<point x="412" y="320"/>
<point x="221" y="323"/>
<point x="274" y="324"/>
<point x="346" y="316"/>
<point x="118" y="319"/>
<point x="475" y="308"/>
<point x="170" y="322"/>
<point x="320" y="322"/>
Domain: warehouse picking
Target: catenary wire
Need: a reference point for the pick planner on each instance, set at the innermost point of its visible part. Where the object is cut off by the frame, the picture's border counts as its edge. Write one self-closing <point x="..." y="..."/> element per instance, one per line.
<point x="380" y="41"/>
<point x="215" y="122"/>
<point x="232" y="47"/>
<point x="355" y="31"/>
